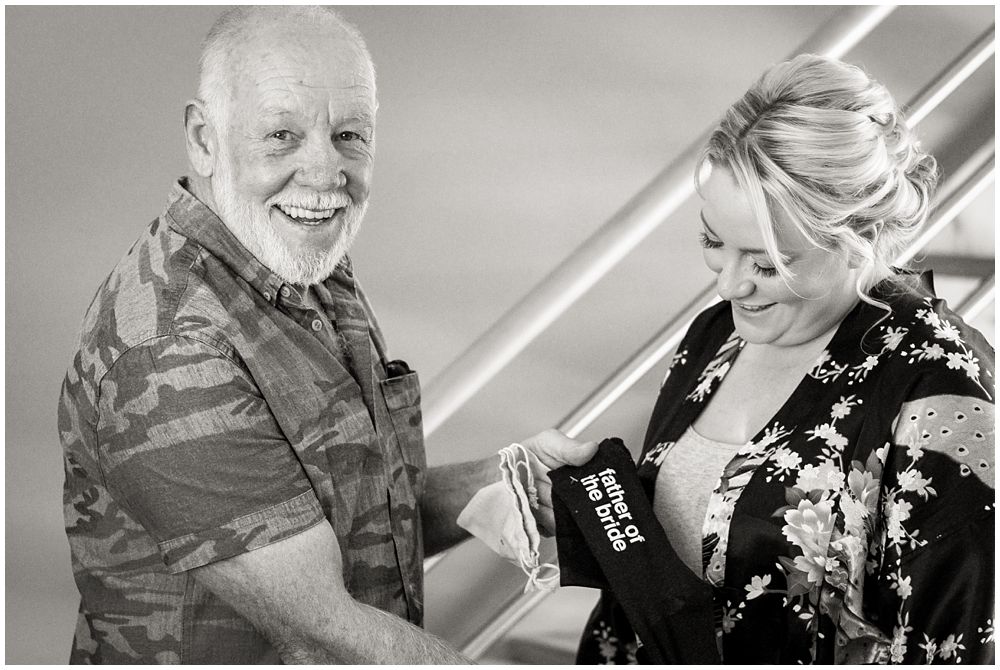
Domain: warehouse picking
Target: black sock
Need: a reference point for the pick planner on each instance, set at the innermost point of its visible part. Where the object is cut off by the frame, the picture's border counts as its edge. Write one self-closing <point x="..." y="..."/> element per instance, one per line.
<point x="609" y="538"/>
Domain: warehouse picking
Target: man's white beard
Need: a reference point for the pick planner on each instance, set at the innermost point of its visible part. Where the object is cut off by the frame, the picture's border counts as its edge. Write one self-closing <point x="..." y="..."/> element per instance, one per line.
<point x="251" y="225"/>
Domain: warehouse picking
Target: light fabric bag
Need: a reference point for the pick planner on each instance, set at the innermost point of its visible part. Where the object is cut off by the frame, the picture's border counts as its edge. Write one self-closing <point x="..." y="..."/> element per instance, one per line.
<point x="500" y="515"/>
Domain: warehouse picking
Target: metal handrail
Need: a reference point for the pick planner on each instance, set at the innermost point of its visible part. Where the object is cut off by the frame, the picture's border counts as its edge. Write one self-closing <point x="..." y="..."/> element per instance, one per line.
<point x="639" y="217"/>
<point x="958" y="71"/>
<point x="981" y="296"/>
<point x="519" y="605"/>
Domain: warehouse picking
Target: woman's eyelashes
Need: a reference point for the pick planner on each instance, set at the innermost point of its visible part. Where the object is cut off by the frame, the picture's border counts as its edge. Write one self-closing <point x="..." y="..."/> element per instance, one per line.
<point x="708" y="242"/>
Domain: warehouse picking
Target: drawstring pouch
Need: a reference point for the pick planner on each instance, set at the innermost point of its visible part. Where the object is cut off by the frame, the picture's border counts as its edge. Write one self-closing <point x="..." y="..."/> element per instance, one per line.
<point x="500" y="515"/>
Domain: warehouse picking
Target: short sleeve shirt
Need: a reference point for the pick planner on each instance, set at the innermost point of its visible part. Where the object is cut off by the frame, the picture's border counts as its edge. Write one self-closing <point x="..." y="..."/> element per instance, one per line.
<point x="211" y="409"/>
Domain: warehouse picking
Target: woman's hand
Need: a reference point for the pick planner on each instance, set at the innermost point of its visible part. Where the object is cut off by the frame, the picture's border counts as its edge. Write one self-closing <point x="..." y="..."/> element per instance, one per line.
<point x="552" y="449"/>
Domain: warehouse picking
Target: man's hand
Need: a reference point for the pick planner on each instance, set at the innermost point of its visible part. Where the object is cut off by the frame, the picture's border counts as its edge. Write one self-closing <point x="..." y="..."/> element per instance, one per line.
<point x="552" y="450"/>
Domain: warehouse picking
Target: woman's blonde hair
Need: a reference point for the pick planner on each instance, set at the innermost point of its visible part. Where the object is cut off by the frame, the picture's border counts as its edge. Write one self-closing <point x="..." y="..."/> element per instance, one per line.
<point x="821" y="141"/>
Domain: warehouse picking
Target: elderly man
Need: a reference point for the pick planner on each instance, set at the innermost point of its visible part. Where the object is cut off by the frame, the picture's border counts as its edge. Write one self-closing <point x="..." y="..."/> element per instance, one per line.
<point x="245" y="473"/>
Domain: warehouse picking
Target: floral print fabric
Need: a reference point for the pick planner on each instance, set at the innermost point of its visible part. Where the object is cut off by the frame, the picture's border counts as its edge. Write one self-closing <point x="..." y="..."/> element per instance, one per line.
<point x="858" y="525"/>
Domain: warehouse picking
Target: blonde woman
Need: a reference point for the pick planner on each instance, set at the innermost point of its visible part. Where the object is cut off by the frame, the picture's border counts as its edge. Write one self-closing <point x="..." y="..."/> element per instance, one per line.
<point x="821" y="451"/>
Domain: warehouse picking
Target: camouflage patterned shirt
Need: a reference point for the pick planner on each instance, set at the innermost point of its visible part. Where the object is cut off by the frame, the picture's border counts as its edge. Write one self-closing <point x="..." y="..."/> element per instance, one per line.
<point x="212" y="409"/>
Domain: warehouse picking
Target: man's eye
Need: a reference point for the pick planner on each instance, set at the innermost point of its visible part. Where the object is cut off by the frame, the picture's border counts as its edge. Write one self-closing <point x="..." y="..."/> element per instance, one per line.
<point x="282" y="135"/>
<point x="348" y="136"/>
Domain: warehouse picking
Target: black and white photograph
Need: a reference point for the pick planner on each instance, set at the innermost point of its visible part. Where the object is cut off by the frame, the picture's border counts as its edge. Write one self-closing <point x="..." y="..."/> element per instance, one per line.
<point x="516" y="334"/>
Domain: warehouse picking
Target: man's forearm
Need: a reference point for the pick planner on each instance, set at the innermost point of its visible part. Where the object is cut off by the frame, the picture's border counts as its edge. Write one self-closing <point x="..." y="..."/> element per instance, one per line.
<point x="371" y="637"/>
<point x="449" y="489"/>
<point x="292" y="591"/>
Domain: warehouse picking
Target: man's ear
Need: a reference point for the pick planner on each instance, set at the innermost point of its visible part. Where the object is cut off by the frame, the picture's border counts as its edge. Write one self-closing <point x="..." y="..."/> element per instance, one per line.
<point x="200" y="136"/>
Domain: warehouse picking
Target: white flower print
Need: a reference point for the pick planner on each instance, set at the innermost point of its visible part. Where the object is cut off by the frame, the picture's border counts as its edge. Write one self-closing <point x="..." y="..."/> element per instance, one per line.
<point x="864" y="487"/>
<point x="897" y="650"/>
<point x="903" y="587"/>
<point x="843" y="407"/>
<point x="896" y="512"/>
<point x="929" y="317"/>
<point x="716" y="369"/>
<point x="929" y="646"/>
<point x="702" y="389"/>
<point x="946" y="331"/>
<point x="825" y="477"/>
<point x="950" y="647"/>
<point x="730" y="615"/>
<point x="828" y="434"/>
<point x="826" y="373"/>
<point x="986" y="631"/>
<point x="912" y="480"/>
<point x="783" y="461"/>
<point x="631" y="649"/>
<point x="930" y="352"/>
<point x="915" y="450"/>
<point x="808" y="527"/>
<point x="757" y="586"/>
<point x="962" y="359"/>
<point x="607" y="643"/>
<point x="854" y="513"/>
<point x="893" y="337"/>
<point x="657" y="453"/>
<point x="771" y="436"/>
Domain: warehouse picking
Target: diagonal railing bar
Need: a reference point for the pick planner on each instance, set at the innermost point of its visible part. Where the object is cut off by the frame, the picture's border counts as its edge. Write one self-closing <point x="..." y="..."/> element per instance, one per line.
<point x="575" y="275"/>
<point x="955" y="198"/>
<point x="949" y="209"/>
<point x="974" y="303"/>
<point x="636" y="367"/>
<point x="958" y="71"/>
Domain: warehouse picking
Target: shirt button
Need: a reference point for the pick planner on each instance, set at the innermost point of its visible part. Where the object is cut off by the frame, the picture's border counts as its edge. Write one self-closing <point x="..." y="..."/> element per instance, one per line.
<point x="267" y="296"/>
<point x="285" y="291"/>
<point x="317" y="325"/>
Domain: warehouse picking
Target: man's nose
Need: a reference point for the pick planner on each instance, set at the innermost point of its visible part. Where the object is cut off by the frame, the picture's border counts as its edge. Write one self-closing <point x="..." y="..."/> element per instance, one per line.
<point x="733" y="282"/>
<point x="322" y="167"/>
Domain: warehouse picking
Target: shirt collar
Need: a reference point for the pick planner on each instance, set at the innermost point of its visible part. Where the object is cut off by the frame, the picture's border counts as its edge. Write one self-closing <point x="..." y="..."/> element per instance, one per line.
<point x="196" y="221"/>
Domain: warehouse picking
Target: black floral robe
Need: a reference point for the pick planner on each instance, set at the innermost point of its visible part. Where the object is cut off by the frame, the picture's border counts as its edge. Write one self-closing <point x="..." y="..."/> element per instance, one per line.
<point x="858" y="525"/>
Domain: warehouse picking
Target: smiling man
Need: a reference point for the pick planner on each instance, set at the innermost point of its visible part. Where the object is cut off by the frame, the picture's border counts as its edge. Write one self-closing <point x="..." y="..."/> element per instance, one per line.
<point x="245" y="469"/>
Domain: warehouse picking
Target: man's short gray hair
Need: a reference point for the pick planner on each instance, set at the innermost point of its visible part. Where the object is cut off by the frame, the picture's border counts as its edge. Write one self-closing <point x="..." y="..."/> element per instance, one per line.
<point x="238" y="22"/>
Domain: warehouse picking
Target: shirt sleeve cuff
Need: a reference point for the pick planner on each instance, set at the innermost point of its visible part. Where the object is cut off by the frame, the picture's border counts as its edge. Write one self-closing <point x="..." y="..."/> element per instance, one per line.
<point x="248" y="532"/>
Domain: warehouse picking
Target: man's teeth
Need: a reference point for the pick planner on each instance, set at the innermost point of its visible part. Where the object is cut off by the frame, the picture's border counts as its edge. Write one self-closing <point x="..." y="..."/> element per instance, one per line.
<point x="299" y="213"/>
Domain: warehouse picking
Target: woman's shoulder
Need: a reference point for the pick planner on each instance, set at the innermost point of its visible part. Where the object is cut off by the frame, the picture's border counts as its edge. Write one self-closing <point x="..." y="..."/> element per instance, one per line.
<point x="937" y="341"/>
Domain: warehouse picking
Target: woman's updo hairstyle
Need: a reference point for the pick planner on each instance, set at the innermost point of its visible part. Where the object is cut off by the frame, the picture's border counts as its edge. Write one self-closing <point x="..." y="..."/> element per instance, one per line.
<point x="823" y="142"/>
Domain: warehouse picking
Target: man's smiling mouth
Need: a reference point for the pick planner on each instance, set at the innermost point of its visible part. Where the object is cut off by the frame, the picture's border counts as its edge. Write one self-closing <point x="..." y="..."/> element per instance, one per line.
<point x="307" y="217"/>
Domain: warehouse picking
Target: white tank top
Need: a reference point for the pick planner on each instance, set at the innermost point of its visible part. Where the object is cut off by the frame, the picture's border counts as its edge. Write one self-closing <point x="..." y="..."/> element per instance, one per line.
<point x="689" y="473"/>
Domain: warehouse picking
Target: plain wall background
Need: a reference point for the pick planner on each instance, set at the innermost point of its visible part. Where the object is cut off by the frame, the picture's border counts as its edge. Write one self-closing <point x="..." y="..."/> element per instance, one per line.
<point x="506" y="136"/>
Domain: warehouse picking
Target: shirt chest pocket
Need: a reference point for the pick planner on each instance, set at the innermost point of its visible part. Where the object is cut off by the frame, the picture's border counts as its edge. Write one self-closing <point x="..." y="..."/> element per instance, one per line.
<point x="402" y="399"/>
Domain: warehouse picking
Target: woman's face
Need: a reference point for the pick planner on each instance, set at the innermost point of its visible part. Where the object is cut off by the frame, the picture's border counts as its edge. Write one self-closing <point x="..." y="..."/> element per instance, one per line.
<point x="766" y="309"/>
